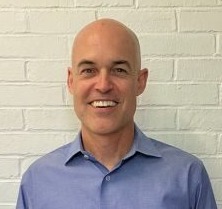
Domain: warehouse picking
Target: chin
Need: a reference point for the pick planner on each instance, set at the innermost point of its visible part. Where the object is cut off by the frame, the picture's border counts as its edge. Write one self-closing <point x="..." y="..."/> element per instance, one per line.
<point x="104" y="130"/>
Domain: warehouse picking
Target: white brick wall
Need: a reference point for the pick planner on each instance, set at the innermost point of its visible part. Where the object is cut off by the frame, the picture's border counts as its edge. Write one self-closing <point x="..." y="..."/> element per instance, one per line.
<point x="181" y="43"/>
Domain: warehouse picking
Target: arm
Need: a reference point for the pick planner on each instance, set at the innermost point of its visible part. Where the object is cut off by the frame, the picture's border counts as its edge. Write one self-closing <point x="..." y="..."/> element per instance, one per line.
<point x="204" y="197"/>
<point x="23" y="201"/>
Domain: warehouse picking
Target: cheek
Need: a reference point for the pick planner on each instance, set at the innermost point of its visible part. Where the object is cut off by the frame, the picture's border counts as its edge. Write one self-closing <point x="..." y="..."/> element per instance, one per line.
<point x="81" y="92"/>
<point x="77" y="88"/>
<point x="129" y="94"/>
<point x="131" y="88"/>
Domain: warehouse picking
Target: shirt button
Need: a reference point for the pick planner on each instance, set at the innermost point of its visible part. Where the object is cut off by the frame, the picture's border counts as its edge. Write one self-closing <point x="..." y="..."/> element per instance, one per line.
<point x="86" y="157"/>
<point x="107" y="178"/>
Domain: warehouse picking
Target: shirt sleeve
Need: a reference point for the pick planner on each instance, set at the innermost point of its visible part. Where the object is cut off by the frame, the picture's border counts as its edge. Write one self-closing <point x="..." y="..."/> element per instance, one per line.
<point x="21" y="203"/>
<point x="23" y="200"/>
<point x="204" y="197"/>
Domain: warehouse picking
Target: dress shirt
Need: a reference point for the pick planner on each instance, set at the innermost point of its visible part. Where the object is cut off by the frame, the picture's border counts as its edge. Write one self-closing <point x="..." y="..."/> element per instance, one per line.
<point x="153" y="175"/>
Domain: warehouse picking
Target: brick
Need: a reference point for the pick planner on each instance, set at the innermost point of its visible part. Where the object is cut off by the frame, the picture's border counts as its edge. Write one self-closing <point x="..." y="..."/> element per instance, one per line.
<point x="99" y="3"/>
<point x="11" y="206"/>
<point x="51" y="119"/>
<point x="9" y="168"/>
<point x="31" y="4"/>
<point x="70" y="136"/>
<point x="27" y="46"/>
<point x="205" y="119"/>
<point x="47" y="71"/>
<point x="57" y="21"/>
<point x="173" y="3"/>
<point x="142" y="21"/>
<point x="12" y="70"/>
<point x="217" y="188"/>
<point x="199" y="70"/>
<point x="11" y="119"/>
<point x="200" y="21"/>
<point x="192" y="143"/>
<point x="156" y="119"/>
<point x="180" y="94"/>
<point x="12" y="22"/>
<point x="177" y="45"/>
<point x="30" y="143"/>
<point x="8" y="191"/>
<point x="213" y="166"/>
<point x="25" y="95"/>
<point x="159" y="70"/>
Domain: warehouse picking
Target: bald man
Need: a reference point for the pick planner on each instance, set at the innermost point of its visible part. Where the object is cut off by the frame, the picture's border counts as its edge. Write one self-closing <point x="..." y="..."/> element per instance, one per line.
<point x="111" y="164"/>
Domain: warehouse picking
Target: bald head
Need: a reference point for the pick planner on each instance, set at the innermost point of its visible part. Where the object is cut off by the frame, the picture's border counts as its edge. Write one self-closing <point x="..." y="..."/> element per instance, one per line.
<point x="106" y="33"/>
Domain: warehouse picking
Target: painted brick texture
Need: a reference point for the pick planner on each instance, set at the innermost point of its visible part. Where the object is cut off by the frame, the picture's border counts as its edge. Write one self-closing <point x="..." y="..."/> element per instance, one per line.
<point x="181" y="43"/>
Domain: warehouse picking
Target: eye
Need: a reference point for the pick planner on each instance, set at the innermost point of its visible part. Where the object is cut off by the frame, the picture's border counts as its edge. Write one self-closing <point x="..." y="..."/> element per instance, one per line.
<point x="119" y="71"/>
<point x="88" y="71"/>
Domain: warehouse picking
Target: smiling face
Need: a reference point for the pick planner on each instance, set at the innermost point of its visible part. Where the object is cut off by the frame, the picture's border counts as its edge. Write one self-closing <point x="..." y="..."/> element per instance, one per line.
<point x="105" y="77"/>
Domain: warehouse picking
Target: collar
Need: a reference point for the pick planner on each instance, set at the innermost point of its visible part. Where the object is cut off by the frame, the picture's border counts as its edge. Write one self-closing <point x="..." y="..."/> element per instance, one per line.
<point x="75" y="148"/>
<point x="141" y="144"/>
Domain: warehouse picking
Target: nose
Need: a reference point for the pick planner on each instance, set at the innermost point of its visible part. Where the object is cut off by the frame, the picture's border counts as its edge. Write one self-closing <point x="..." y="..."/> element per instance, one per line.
<point x="104" y="82"/>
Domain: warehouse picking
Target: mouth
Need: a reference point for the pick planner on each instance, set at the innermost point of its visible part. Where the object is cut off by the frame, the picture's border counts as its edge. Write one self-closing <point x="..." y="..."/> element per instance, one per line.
<point x="104" y="104"/>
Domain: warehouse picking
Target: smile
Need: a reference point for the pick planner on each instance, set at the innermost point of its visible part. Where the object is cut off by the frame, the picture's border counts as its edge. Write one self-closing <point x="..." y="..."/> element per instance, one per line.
<point x="102" y="104"/>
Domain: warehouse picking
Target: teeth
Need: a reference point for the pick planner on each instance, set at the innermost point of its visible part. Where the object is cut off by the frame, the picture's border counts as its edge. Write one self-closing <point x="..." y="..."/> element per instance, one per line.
<point x="103" y="104"/>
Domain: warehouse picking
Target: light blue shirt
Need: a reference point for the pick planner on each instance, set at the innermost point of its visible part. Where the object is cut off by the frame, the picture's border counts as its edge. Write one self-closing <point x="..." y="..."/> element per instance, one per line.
<point x="152" y="175"/>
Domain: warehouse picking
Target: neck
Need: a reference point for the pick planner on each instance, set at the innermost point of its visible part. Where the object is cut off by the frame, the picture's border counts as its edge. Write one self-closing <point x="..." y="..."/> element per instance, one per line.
<point x="108" y="149"/>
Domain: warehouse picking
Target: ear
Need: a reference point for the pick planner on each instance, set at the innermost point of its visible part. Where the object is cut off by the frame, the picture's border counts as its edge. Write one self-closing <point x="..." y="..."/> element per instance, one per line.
<point x="142" y="79"/>
<point x="70" y="80"/>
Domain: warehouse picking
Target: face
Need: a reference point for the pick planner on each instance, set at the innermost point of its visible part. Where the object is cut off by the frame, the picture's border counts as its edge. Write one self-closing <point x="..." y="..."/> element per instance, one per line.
<point x="105" y="80"/>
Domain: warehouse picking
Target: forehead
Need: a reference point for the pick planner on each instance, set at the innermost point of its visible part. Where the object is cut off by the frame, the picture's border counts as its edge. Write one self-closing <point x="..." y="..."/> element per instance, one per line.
<point x="106" y="30"/>
<point x="104" y="41"/>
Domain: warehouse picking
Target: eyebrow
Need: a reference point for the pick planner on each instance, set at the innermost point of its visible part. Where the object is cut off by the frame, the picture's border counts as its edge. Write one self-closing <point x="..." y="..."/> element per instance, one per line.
<point x="117" y="62"/>
<point x="85" y="62"/>
<point x="120" y="62"/>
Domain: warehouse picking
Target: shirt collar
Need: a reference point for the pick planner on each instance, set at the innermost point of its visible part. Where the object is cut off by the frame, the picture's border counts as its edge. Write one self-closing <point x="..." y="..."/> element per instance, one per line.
<point x="75" y="148"/>
<point x="141" y="144"/>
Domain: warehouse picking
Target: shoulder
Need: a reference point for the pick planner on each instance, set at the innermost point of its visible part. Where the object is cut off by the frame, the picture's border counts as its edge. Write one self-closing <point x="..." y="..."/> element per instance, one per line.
<point x="184" y="172"/>
<point x="178" y="165"/>
<point x="173" y="154"/>
<point x="55" y="158"/>
<point x="166" y="155"/>
<point x="179" y="160"/>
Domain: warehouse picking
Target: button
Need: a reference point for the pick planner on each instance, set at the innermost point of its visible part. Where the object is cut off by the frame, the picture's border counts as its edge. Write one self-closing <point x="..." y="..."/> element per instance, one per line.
<point x="86" y="157"/>
<point x="107" y="178"/>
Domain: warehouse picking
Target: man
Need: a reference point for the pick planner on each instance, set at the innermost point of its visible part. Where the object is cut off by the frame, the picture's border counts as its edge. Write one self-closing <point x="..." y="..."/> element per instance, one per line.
<point x="111" y="164"/>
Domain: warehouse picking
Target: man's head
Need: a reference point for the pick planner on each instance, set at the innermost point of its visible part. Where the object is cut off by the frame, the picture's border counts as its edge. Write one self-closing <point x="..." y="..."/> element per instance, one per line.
<point x="105" y="77"/>
<point x="113" y="31"/>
